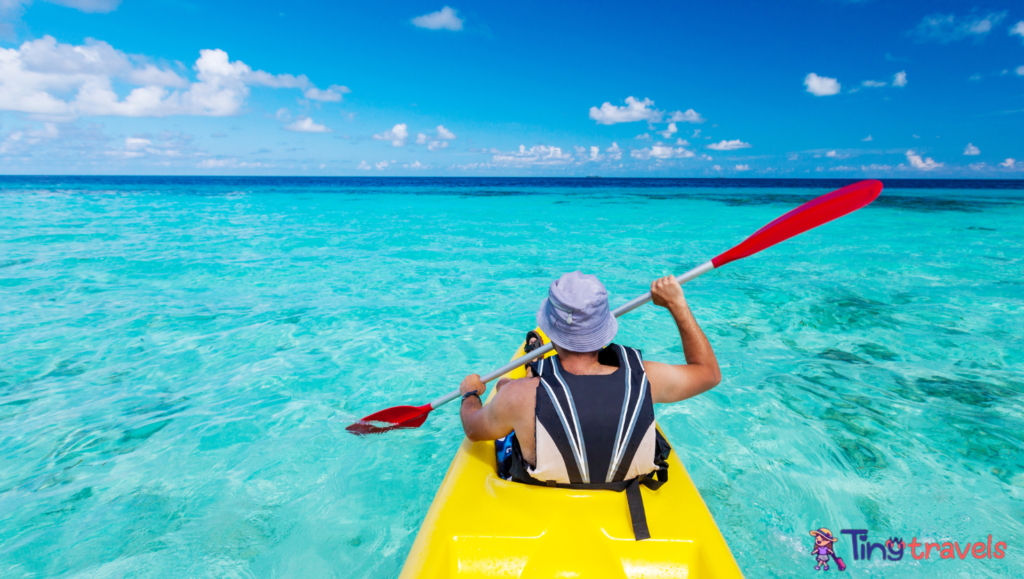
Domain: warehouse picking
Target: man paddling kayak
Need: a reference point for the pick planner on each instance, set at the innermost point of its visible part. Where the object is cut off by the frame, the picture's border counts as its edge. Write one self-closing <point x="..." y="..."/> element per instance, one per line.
<point x="586" y="416"/>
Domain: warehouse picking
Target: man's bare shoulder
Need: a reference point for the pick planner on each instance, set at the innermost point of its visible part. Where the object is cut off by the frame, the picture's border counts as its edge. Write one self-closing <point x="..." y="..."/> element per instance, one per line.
<point x="516" y="393"/>
<point x="520" y="386"/>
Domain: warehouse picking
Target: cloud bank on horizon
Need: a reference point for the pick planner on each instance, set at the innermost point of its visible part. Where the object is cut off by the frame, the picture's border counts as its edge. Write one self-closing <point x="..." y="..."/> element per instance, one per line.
<point x="81" y="92"/>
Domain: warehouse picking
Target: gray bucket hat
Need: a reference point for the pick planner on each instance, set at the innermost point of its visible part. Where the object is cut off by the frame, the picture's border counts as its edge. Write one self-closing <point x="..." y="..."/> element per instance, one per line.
<point x="575" y="314"/>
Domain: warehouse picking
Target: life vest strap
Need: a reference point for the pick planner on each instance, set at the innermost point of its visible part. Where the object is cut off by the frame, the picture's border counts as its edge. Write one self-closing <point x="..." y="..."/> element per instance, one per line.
<point x="637" y="514"/>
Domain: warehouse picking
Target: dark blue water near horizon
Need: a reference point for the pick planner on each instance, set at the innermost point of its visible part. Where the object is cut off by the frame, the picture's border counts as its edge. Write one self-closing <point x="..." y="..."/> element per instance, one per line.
<point x="8" y="181"/>
<point x="922" y="195"/>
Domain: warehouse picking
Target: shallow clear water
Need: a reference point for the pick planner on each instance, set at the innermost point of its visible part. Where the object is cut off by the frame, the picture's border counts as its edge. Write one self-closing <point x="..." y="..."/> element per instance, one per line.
<point x="179" y="358"/>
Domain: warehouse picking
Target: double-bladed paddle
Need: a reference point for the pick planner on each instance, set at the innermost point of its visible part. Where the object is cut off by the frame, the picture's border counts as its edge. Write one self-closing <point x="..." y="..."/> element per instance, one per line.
<point x="808" y="216"/>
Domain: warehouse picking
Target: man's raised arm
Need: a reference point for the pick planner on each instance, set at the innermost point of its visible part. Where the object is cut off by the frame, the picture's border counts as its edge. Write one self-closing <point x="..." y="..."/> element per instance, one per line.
<point x="675" y="382"/>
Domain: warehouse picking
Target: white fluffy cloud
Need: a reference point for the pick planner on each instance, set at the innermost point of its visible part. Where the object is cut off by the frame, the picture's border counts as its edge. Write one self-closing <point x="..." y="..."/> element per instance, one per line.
<point x="668" y="132"/>
<point x="635" y="110"/>
<point x="972" y="150"/>
<point x="443" y="133"/>
<point x="333" y="93"/>
<point x="434" y="144"/>
<point x="898" y="79"/>
<point x="868" y="139"/>
<point x="639" y="110"/>
<point x="661" y="152"/>
<point x="306" y="125"/>
<point x="1009" y="164"/>
<point x="729" y="145"/>
<point x="135" y="144"/>
<point x="821" y="85"/>
<point x="614" y="152"/>
<point x="1018" y="29"/>
<point x="690" y="116"/>
<point x="947" y="27"/>
<point x="535" y="155"/>
<point x="11" y="142"/>
<point x="363" y="166"/>
<point x="444" y="19"/>
<point x="917" y="162"/>
<point x="44" y="77"/>
<point x="591" y="154"/>
<point x="742" y="167"/>
<point x="166" y="145"/>
<point x="397" y="135"/>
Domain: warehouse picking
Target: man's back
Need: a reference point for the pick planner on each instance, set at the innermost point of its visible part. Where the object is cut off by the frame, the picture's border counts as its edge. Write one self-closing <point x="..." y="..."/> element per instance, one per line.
<point x="596" y="428"/>
<point x="521" y="397"/>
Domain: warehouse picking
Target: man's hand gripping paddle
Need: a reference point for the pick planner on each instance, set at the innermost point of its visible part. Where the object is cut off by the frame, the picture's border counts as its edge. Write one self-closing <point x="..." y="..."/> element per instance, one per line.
<point x="806" y="217"/>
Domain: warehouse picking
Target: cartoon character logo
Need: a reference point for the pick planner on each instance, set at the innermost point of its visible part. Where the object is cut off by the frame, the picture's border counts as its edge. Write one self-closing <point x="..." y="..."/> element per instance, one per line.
<point x="823" y="541"/>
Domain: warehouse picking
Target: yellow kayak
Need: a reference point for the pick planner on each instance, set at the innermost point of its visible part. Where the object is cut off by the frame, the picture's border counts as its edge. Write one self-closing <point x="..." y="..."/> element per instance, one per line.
<point x="482" y="526"/>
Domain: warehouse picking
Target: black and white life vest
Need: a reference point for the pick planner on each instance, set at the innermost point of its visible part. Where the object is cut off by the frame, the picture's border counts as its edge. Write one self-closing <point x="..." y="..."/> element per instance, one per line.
<point x="596" y="432"/>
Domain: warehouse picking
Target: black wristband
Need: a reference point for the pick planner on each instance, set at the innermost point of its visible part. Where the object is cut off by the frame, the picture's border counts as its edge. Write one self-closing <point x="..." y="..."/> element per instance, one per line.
<point x="468" y="394"/>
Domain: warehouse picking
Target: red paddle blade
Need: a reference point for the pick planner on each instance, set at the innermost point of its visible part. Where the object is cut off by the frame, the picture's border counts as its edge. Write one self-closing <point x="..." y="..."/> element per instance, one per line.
<point x="390" y="419"/>
<point x="803" y="218"/>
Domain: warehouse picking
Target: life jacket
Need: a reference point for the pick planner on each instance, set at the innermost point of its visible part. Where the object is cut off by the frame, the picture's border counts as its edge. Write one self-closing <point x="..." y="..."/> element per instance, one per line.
<point x="586" y="439"/>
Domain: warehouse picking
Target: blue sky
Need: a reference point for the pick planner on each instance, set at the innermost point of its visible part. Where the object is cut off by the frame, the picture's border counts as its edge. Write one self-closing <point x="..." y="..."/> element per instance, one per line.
<point x="751" y="89"/>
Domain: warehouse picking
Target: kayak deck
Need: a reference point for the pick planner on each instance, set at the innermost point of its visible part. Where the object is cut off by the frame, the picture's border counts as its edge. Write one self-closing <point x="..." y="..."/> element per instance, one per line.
<point x="482" y="526"/>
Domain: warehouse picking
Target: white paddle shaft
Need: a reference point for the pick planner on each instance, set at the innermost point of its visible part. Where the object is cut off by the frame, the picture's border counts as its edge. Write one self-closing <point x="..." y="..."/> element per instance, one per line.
<point x="531" y="356"/>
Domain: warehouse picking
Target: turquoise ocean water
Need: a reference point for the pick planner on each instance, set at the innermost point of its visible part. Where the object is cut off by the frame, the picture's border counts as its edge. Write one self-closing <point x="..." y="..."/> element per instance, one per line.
<point x="179" y="359"/>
